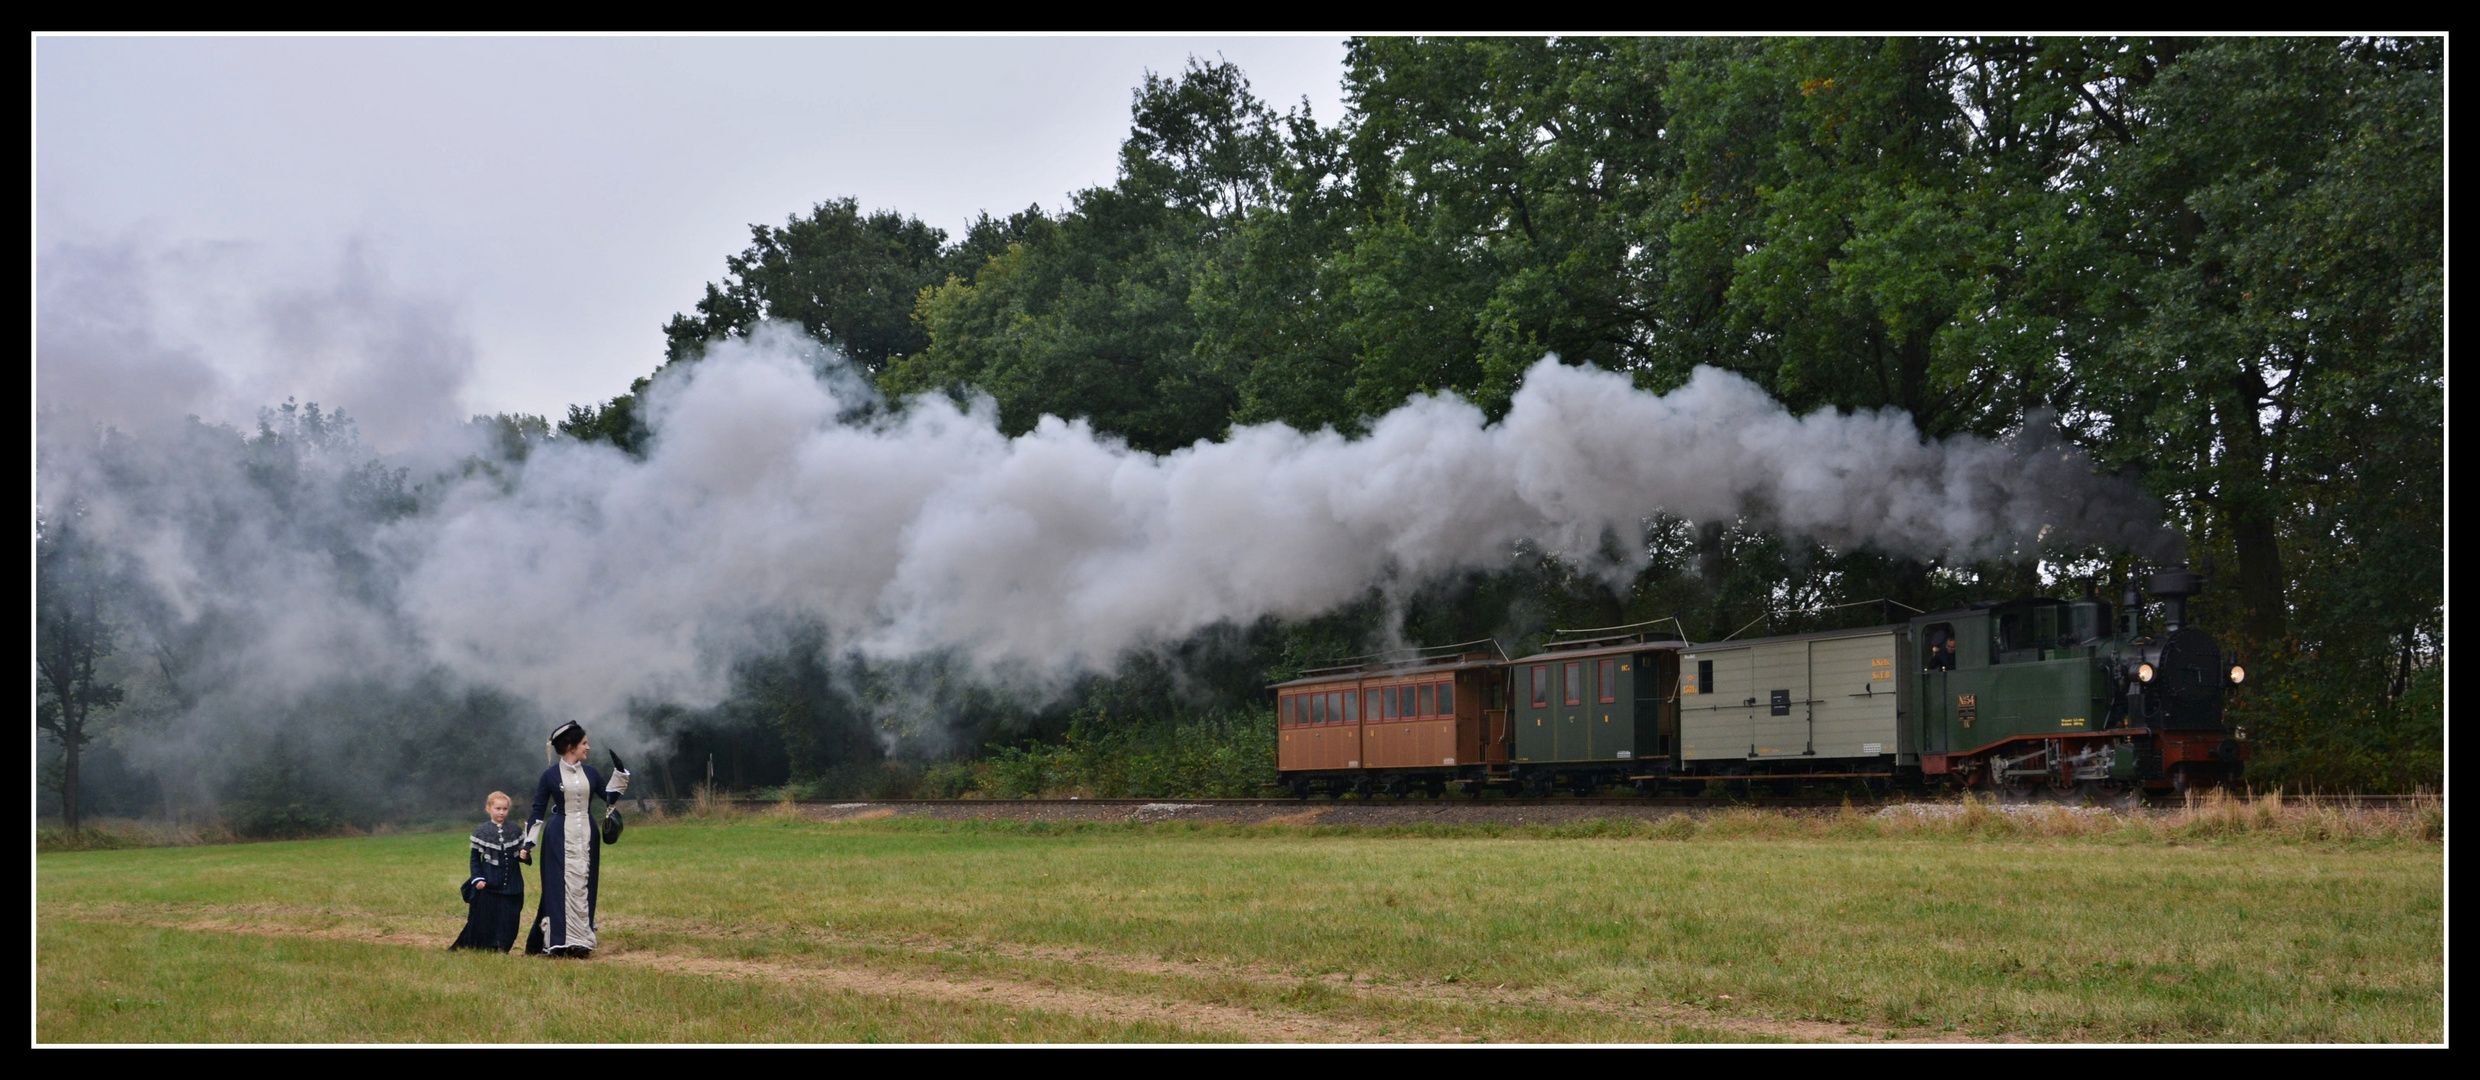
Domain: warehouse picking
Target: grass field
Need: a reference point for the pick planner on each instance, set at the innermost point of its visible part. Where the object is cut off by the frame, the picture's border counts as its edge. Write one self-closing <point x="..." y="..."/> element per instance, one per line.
<point x="767" y="928"/>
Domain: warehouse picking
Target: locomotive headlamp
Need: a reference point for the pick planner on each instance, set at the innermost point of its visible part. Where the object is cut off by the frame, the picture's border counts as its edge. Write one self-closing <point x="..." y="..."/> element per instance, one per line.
<point x="2144" y="672"/>
<point x="2237" y="674"/>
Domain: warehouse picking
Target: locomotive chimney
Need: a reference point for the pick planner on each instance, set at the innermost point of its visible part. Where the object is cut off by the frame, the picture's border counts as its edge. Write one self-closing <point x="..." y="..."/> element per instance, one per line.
<point x="2173" y="586"/>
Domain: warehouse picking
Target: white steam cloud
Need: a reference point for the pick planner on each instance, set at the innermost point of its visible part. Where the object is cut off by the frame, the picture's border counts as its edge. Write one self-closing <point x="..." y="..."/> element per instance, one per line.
<point x="294" y="581"/>
<point x="596" y="577"/>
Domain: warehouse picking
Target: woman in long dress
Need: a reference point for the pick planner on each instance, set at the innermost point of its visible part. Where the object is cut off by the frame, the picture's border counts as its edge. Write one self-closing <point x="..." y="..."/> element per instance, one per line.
<point x="563" y="828"/>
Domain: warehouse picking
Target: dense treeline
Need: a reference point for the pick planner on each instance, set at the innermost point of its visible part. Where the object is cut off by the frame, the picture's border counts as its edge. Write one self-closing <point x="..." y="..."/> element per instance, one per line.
<point x="2215" y="264"/>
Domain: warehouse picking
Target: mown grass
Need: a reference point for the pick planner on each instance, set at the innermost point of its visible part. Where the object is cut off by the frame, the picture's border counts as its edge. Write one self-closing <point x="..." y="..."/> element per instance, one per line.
<point x="2245" y="930"/>
<point x="107" y="983"/>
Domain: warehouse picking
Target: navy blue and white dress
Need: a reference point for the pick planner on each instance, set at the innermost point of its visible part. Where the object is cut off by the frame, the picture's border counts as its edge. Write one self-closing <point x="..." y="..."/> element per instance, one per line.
<point x="495" y="886"/>
<point x="570" y="857"/>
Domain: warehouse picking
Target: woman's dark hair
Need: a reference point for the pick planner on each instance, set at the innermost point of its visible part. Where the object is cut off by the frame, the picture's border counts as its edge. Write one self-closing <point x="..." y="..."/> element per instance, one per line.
<point x="565" y="739"/>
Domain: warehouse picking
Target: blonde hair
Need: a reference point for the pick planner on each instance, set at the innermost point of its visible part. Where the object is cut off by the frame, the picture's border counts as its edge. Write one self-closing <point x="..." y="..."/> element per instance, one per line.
<point x="497" y="796"/>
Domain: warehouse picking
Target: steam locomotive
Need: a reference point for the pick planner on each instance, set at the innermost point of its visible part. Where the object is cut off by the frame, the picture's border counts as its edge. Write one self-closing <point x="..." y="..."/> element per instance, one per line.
<point x="2032" y="698"/>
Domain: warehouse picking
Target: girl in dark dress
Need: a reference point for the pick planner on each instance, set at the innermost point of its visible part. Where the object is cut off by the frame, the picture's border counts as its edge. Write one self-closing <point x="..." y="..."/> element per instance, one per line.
<point x="494" y="887"/>
<point x="563" y="827"/>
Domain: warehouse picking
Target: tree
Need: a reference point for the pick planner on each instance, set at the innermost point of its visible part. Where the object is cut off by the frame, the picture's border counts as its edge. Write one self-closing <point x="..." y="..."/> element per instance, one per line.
<point x="1090" y="315"/>
<point x="73" y="633"/>
<point x="850" y="279"/>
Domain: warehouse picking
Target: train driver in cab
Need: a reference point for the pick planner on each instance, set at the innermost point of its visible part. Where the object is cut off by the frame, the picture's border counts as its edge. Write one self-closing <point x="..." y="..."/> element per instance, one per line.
<point x="1942" y="652"/>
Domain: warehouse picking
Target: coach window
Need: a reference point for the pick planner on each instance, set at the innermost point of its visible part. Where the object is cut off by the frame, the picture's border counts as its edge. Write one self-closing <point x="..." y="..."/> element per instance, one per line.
<point x="1429" y="700"/>
<point x="1574" y="674"/>
<point x="1704" y="676"/>
<point x="1446" y="699"/>
<point x="1541" y="686"/>
<point x="1290" y="718"/>
<point x="1351" y="705"/>
<point x="1608" y="682"/>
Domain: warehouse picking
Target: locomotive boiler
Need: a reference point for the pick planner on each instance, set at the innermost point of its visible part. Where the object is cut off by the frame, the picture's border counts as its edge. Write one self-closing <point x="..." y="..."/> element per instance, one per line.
<point x="2039" y="697"/>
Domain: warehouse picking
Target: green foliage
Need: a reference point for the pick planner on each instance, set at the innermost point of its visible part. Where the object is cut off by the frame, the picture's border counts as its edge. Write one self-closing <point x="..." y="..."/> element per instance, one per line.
<point x="1218" y="756"/>
<point x="849" y="279"/>
<point x="2214" y="264"/>
<point x="280" y="800"/>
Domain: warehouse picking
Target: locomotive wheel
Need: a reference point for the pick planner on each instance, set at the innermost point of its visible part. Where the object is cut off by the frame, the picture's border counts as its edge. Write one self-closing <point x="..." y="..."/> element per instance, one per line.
<point x="2011" y="792"/>
<point x="2112" y="795"/>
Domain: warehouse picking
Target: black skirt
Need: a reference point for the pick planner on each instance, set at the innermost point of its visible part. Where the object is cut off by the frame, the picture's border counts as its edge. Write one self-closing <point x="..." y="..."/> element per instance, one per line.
<point x="491" y="922"/>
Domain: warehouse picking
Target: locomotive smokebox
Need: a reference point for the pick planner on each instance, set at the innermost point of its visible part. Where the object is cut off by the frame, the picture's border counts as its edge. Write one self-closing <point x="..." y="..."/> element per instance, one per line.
<point x="2172" y="587"/>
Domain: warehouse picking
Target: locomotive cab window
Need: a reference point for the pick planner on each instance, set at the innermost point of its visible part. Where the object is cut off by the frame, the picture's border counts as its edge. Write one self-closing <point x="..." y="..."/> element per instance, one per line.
<point x="2023" y="634"/>
<point x="1939" y="646"/>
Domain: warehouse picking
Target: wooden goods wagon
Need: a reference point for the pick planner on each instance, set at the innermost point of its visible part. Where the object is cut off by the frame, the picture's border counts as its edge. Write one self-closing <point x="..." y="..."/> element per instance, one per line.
<point x="1812" y="696"/>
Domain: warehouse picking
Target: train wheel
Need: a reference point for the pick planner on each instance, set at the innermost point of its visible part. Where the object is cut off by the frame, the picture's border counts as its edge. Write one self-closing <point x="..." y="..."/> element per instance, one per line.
<point x="2112" y="795"/>
<point x="1299" y="788"/>
<point x="2011" y="792"/>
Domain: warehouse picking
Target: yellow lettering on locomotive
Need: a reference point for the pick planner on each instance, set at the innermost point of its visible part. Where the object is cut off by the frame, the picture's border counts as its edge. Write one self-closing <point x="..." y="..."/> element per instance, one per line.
<point x="2072" y="721"/>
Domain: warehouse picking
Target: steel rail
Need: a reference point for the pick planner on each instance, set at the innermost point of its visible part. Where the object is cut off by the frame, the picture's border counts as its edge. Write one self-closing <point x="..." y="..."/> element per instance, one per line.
<point x="1758" y="802"/>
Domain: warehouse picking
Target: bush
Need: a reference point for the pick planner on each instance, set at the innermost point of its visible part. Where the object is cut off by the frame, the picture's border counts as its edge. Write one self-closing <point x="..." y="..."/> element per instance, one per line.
<point x="277" y="801"/>
<point x="1214" y="756"/>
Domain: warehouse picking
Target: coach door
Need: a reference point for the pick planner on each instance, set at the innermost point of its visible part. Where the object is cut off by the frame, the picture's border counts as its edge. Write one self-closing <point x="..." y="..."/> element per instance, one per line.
<point x="1572" y="709"/>
<point x="1783" y="714"/>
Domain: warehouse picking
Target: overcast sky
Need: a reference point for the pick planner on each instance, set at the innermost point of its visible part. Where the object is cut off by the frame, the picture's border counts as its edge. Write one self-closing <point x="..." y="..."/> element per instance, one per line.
<point x="272" y="216"/>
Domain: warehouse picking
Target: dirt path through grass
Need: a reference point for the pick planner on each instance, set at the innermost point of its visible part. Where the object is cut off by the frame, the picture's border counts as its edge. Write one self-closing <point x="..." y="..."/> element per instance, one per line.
<point x="823" y="970"/>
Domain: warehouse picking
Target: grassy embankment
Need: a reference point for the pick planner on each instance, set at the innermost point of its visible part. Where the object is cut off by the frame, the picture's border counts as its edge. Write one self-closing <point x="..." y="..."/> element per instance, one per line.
<point x="2233" y="924"/>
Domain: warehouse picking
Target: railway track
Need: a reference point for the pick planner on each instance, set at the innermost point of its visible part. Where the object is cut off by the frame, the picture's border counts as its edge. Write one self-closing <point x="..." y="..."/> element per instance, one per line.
<point x="1688" y="802"/>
